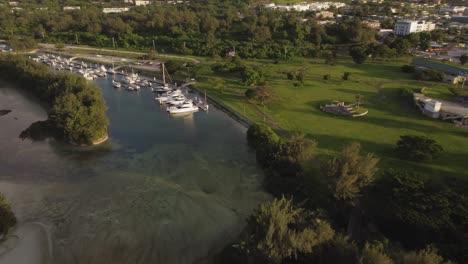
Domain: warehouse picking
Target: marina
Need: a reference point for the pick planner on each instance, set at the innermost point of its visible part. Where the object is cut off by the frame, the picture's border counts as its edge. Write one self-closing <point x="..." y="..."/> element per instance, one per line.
<point x="175" y="100"/>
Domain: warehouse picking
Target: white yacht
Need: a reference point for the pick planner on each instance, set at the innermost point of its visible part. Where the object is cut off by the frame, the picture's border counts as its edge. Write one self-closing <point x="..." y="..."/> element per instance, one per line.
<point x="162" y="88"/>
<point x="177" y="100"/>
<point x="116" y="84"/>
<point x="133" y="87"/>
<point x="183" y="108"/>
<point x="88" y="76"/>
<point x="169" y="96"/>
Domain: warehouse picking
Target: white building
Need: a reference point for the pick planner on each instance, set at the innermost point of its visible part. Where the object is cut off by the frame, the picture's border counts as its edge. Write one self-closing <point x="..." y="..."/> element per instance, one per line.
<point x="142" y="3"/>
<point x="432" y="108"/>
<point x="301" y="7"/>
<point x="324" y="14"/>
<point x="138" y="2"/>
<point x="115" y="9"/>
<point x="317" y="6"/>
<point x="69" y="8"/>
<point x="406" y="27"/>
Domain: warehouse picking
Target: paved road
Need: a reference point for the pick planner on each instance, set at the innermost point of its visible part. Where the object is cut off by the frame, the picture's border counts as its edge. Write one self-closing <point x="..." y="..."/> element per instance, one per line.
<point x="52" y="46"/>
<point x="447" y="106"/>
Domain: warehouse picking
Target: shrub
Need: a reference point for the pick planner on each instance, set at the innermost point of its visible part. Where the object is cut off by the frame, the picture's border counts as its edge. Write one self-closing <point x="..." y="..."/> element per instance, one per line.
<point x="327" y="77"/>
<point x="359" y="54"/>
<point x="346" y="76"/>
<point x="407" y="68"/>
<point x="407" y="95"/>
<point x="279" y="229"/>
<point x="463" y="59"/>
<point x="350" y="172"/>
<point x="300" y="76"/>
<point x="429" y="75"/>
<point x="259" y="136"/>
<point x="250" y="93"/>
<point x="7" y="218"/>
<point x="264" y="94"/>
<point x="428" y="255"/>
<point x="264" y="140"/>
<point x="417" y="148"/>
<point x="24" y="43"/>
<point x="251" y="76"/>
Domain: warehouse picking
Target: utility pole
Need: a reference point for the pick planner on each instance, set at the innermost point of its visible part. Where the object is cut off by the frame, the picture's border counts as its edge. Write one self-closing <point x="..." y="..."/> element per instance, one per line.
<point x="154" y="46"/>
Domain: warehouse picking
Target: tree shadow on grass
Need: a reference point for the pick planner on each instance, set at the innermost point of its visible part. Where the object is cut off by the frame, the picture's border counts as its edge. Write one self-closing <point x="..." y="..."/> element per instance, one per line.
<point x="377" y="70"/>
<point x="390" y="159"/>
<point x="366" y="94"/>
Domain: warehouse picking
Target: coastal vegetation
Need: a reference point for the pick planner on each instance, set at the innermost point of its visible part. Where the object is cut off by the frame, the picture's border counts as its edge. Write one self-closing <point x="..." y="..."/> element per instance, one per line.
<point x="7" y="218"/>
<point x="423" y="220"/>
<point x="77" y="111"/>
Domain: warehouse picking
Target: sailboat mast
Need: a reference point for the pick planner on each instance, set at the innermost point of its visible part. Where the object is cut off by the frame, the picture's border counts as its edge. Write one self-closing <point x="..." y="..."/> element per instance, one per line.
<point x="164" y="73"/>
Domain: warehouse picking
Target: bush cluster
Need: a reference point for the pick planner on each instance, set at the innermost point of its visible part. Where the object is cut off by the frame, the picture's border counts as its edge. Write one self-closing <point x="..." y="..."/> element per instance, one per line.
<point x="429" y="75"/>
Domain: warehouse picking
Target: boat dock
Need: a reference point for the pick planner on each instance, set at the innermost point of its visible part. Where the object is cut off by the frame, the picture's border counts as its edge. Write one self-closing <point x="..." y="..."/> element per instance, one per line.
<point x="201" y="105"/>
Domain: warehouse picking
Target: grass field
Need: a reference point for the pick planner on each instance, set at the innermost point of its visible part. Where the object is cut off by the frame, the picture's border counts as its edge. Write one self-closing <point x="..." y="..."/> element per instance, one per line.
<point x="297" y="109"/>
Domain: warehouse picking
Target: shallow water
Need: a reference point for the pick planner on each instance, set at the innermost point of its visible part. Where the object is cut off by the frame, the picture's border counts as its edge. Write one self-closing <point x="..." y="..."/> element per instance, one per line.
<point x="162" y="190"/>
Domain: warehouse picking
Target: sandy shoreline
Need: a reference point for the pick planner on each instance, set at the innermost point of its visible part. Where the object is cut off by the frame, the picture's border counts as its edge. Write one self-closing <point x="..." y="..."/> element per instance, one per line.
<point x="29" y="243"/>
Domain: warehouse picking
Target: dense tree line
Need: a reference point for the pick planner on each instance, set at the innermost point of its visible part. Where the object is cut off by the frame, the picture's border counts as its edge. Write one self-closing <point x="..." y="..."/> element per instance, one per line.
<point x="77" y="109"/>
<point x="201" y="28"/>
<point x="362" y="217"/>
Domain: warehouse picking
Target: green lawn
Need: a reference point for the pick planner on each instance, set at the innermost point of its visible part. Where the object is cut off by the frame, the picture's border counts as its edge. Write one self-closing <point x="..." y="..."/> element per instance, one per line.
<point x="229" y="97"/>
<point x="297" y="109"/>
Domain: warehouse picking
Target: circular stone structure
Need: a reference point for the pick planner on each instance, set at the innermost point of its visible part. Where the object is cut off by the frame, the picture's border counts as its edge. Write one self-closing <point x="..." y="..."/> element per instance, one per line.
<point x="340" y="108"/>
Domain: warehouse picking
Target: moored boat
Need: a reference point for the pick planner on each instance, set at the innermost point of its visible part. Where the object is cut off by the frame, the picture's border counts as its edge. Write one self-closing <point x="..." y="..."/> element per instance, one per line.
<point x="183" y="108"/>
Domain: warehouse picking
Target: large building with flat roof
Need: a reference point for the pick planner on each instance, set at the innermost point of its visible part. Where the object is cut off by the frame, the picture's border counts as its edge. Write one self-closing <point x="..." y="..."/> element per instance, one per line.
<point x="406" y="27"/>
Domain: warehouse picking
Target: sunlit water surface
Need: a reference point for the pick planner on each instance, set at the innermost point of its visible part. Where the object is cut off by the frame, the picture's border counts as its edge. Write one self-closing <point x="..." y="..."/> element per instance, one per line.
<point x="162" y="190"/>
